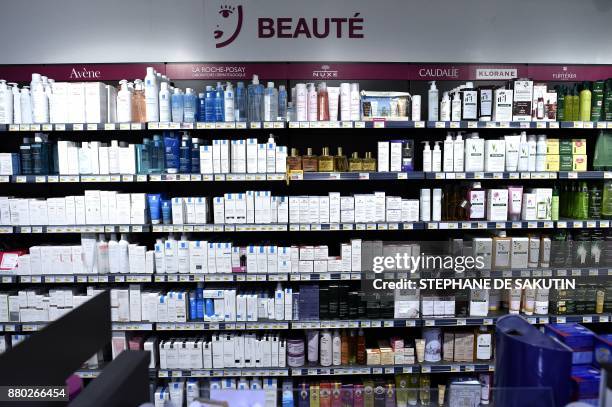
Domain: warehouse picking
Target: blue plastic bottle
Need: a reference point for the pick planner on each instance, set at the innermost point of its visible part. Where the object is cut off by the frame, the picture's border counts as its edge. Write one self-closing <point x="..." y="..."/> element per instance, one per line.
<point x="209" y="105"/>
<point x="156" y="154"/>
<point x="178" y="106"/>
<point x="195" y="156"/>
<point x="282" y="102"/>
<point x="200" y="303"/>
<point x="171" y="152"/>
<point x="219" y="105"/>
<point x="185" y="154"/>
<point x="255" y="93"/>
<point x="240" y="104"/>
<point x="189" y="106"/>
<point x="201" y="114"/>
<point x="193" y="306"/>
<point x="210" y="308"/>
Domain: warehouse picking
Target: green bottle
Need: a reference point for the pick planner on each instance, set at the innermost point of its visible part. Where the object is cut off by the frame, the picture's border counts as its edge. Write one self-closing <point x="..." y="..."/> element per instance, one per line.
<point x="554" y="205"/>
<point x="595" y="203"/>
<point x="582" y="204"/>
<point x="585" y="102"/>
<point x="576" y="104"/>
<point x="606" y="201"/>
<point x="602" y="160"/>
<point x="560" y="102"/>
<point x="568" y="108"/>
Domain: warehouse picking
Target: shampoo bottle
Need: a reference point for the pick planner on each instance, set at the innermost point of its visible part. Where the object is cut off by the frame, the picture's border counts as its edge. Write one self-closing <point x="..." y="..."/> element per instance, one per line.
<point x="436" y="161"/>
<point x="445" y="108"/>
<point x="336" y="348"/>
<point x="426" y="157"/>
<point x="448" y="165"/>
<point x="458" y="151"/>
<point x="469" y="106"/>
<point x="432" y="99"/>
<point x="209" y="105"/>
<point x="531" y="142"/>
<point x="178" y="106"/>
<point x="151" y="96"/>
<point x="124" y="103"/>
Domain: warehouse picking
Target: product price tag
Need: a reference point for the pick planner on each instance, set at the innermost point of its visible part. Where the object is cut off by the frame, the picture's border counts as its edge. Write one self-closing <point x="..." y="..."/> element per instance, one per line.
<point x="588" y="125"/>
<point x="473" y="125"/>
<point x="440" y="125"/>
<point x="578" y="125"/>
<point x="532" y="225"/>
<point x="578" y="224"/>
<point x="359" y="125"/>
<point x="591" y="224"/>
<point x="432" y="225"/>
<point x="379" y="124"/>
<point x="587" y="319"/>
<point x="604" y="318"/>
<point x="604" y="223"/>
<point x="487" y="321"/>
<point x="24" y="127"/>
<point x="561" y="225"/>
<point x="455" y="125"/>
<point x="470" y="368"/>
<point x="13" y="127"/>
<point x="419" y="125"/>
<point x="490" y="125"/>
<point x="499" y="225"/>
<point x="34" y="127"/>
<point x="347" y="125"/>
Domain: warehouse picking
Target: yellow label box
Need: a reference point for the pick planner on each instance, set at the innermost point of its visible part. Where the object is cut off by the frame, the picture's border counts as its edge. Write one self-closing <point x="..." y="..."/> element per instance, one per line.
<point x="580" y="162"/>
<point x="579" y="146"/>
<point x="552" y="146"/>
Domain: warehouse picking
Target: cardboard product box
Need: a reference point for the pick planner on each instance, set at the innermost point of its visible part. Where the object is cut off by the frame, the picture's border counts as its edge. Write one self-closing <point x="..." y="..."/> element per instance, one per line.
<point x="523" y="99"/>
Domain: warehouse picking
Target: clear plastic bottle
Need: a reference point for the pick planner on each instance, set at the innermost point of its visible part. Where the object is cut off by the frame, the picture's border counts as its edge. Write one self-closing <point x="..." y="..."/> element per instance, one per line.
<point x="156" y="165"/>
<point x="189" y="106"/>
<point x="219" y="108"/>
<point x="201" y="107"/>
<point x="255" y="93"/>
<point x="312" y="102"/>
<point x="178" y="106"/>
<point x="270" y="103"/>
<point x="209" y="105"/>
<point x="240" y="106"/>
<point x="139" y="109"/>
<point x="322" y="102"/>
<point x="282" y="103"/>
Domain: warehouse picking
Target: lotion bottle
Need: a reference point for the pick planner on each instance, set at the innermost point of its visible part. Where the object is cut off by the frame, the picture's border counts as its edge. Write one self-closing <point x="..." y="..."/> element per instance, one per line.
<point x="416" y="108"/>
<point x="448" y="153"/>
<point x="456" y="107"/>
<point x="151" y="96"/>
<point x="124" y="103"/>
<point x="523" y="161"/>
<point x="458" y="150"/>
<point x="165" y="114"/>
<point x="113" y="254"/>
<point x="325" y="348"/>
<point x="301" y="102"/>
<point x="26" y="105"/>
<point x="445" y="108"/>
<point x="432" y="98"/>
<point x="426" y="157"/>
<point x="436" y="162"/>
<point x="355" y="102"/>
<point x="124" y="262"/>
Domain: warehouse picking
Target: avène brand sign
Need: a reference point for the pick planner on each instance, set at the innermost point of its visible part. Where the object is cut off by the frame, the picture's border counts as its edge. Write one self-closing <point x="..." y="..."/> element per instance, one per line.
<point x="78" y="72"/>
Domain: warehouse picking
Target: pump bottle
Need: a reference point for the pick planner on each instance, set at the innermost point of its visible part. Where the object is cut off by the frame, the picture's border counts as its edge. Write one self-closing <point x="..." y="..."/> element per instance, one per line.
<point x="436" y="162"/>
<point x="445" y="108"/>
<point x="448" y="154"/>
<point x="458" y="151"/>
<point x="165" y="114"/>
<point x="523" y="161"/>
<point x="16" y="104"/>
<point x="255" y="92"/>
<point x="26" y="105"/>
<point x="432" y="109"/>
<point x="456" y="107"/>
<point x="151" y="96"/>
<point x="124" y="263"/>
<point x="6" y="103"/>
<point x="124" y="103"/>
<point x="228" y="103"/>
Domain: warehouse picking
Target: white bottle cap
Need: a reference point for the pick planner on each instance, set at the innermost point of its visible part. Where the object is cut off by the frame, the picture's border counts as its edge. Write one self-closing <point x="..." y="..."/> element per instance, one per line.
<point x="433" y="86"/>
<point x="164" y="86"/>
<point x="150" y="70"/>
<point x="270" y="84"/>
<point x="255" y="80"/>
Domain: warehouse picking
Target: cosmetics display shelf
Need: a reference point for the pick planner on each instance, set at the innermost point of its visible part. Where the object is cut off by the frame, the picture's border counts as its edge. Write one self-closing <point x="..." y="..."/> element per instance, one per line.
<point x="41" y="179"/>
<point x="257" y="277"/>
<point x="25" y="327"/>
<point x="403" y="124"/>
<point x="305" y="227"/>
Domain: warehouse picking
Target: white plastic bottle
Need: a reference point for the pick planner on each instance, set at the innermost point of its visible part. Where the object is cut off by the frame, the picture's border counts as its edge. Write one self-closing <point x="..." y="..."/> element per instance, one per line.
<point x="425" y="205"/>
<point x="436" y="205"/>
<point x="541" y="153"/>
<point x="301" y="102"/>
<point x="312" y="102"/>
<point x="26" y="105"/>
<point x="159" y="256"/>
<point x="113" y="254"/>
<point x="40" y="104"/>
<point x="531" y="141"/>
<point x="183" y="255"/>
<point x="228" y="103"/>
<point x="16" y="104"/>
<point x="279" y="303"/>
<point x="325" y="348"/>
<point x="523" y="161"/>
<point x="456" y="107"/>
<point x="113" y="158"/>
<point x="458" y="151"/>
<point x="171" y="255"/>
<point x="336" y="348"/>
<point x="432" y="101"/>
<point x="102" y="255"/>
<point x="426" y="157"/>
<point x="436" y="158"/>
<point x="449" y="162"/>
<point x="124" y="103"/>
<point x="165" y="110"/>
<point x="345" y="101"/>
<point x="445" y="108"/>
<point x="355" y="102"/>
<point x="6" y="103"/>
<point x="124" y="259"/>
<point x="151" y="96"/>
<point x="416" y="108"/>
<point x="271" y="103"/>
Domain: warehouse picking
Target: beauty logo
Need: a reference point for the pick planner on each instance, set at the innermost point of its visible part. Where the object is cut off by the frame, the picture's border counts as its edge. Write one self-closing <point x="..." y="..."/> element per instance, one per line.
<point x="230" y="16"/>
<point x="564" y="75"/>
<point x="325" y="73"/>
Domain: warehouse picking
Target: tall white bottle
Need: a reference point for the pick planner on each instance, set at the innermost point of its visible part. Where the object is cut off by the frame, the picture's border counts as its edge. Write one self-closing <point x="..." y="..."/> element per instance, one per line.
<point x="432" y="101"/>
<point x="6" y="103"/>
<point x="36" y="80"/>
<point x="325" y="348"/>
<point x="26" y="105"/>
<point x="102" y="255"/>
<point x="124" y="103"/>
<point x="301" y="102"/>
<point x="458" y="150"/>
<point x="165" y="109"/>
<point x="279" y="303"/>
<point x="355" y="102"/>
<point x="449" y="162"/>
<point x="345" y="101"/>
<point x="158" y="248"/>
<point x="124" y="259"/>
<point x="312" y="102"/>
<point x="436" y="158"/>
<point x="445" y="108"/>
<point x="113" y="254"/>
<point x="523" y="161"/>
<point x="151" y="96"/>
<point x="456" y="107"/>
<point x="426" y="157"/>
<point x="16" y="104"/>
<point x="40" y="104"/>
<point x="336" y="348"/>
<point x="228" y="103"/>
<point x="531" y="141"/>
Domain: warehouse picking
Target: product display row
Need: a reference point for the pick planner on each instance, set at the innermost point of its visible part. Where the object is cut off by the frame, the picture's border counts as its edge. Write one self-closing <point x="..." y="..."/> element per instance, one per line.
<point x="157" y="100"/>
